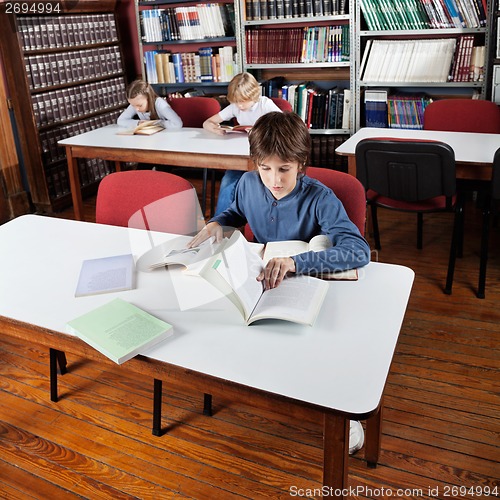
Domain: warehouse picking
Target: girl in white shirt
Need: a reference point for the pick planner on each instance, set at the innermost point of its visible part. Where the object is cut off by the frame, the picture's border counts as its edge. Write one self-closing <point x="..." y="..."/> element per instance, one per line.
<point x="145" y="104"/>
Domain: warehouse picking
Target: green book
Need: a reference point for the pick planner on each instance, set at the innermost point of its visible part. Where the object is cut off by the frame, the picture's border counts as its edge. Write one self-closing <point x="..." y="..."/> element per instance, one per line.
<point x="119" y="330"/>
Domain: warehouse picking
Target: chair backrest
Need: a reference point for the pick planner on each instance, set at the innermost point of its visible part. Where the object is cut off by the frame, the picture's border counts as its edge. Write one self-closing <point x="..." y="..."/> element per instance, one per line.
<point x="283" y="104"/>
<point x="463" y="115"/>
<point x="347" y="189"/>
<point x="193" y="111"/>
<point x="148" y="199"/>
<point x="406" y="170"/>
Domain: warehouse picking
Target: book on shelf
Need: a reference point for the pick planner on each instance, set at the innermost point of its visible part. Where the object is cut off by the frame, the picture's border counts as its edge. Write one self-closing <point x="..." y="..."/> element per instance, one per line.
<point x="234" y="272"/>
<point x="146" y="127"/>
<point x="423" y="14"/>
<point x="318" y="243"/>
<point x="407" y="111"/>
<point x="105" y="275"/>
<point x="376" y="108"/>
<point x="422" y="60"/>
<point x="119" y="330"/>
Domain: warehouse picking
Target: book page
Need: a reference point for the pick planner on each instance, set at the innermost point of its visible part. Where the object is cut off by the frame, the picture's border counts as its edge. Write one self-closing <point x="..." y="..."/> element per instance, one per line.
<point x="298" y="299"/>
<point x="319" y="243"/>
<point x="240" y="265"/>
<point x="284" y="249"/>
<point x="105" y="275"/>
<point x="175" y="252"/>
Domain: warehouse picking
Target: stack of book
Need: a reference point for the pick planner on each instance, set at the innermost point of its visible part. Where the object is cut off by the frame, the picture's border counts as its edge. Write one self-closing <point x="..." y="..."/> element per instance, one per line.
<point x="318" y="108"/>
<point x="59" y="68"/>
<point x="209" y="20"/>
<point x="66" y="31"/>
<point x="258" y="10"/>
<point x="423" y="14"/>
<point x="64" y="104"/>
<point x="191" y="67"/>
<point x="423" y="60"/>
<point x="406" y="111"/>
<point x="318" y="44"/>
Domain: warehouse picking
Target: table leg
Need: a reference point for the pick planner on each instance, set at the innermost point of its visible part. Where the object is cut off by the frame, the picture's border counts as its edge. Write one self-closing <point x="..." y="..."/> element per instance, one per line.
<point x="207" y="404"/>
<point x="157" y="396"/>
<point x="373" y="437"/>
<point x="118" y="166"/>
<point x="335" y="453"/>
<point x="53" y="359"/>
<point x="74" y="182"/>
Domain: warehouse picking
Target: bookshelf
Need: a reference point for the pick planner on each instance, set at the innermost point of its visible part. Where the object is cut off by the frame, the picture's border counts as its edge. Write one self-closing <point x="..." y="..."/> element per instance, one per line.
<point x="188" y="44"/>
<point x="65" y="74"/>
<point x="306" y="44"/>
<point x="318" y="81"/>
<point x="420" y="48"/>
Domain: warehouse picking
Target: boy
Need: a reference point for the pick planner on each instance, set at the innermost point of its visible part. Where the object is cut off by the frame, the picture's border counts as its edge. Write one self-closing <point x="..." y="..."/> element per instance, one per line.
<point x="280" y="202"/>
<point x="246" y="106"/>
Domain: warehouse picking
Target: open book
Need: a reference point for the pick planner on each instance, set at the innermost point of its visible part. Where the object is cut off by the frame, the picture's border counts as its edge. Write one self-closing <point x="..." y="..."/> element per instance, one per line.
<point x="234" y="271"/>
<point x="236" y="128"/>
<point x="119" y="330"/>
<point x="174" y="252"/>
<point x="147" y="127"/>
<point x="317" y="244"/>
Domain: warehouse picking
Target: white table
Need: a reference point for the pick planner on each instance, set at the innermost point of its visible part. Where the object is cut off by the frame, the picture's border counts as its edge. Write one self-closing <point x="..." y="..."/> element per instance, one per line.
<point x="186" y="147"/>
<point x="473" y="152"/>
<point x="336" y="369"/>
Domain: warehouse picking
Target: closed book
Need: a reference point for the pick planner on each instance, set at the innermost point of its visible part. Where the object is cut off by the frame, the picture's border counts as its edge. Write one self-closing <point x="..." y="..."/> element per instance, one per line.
<point x="120" y="330"/>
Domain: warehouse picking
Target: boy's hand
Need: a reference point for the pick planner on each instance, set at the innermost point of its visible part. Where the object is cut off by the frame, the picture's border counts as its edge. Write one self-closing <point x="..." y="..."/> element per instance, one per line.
<point x="211" y="229"/>
<point x="275" y="271"/>
<point x="213" y="127"/>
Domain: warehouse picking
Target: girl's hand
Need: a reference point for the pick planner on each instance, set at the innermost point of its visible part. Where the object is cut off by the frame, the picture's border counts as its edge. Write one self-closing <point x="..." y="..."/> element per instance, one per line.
<point x="211" y="229"/>
<point x="275" y="271"/>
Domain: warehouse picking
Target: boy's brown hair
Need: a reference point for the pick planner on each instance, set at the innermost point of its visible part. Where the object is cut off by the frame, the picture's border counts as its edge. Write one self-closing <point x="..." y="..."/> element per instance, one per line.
<point x="284" y="135"/>
<point x="140" y="87"/>
<point x="243" y="87"/>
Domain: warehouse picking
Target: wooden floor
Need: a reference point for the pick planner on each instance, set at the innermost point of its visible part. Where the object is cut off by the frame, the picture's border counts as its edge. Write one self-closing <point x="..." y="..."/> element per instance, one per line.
<point x="440" y="432"/>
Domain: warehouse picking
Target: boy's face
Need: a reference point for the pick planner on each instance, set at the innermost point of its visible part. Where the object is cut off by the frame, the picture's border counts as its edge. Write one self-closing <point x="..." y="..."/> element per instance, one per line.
<point x="279" y="176"/>
<point x="244" y="105"/>
<point x="140" y="103"/>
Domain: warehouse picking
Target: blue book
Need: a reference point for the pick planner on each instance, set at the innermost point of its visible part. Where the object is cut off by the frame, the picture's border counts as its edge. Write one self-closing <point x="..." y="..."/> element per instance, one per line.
<point x="178" y="69"/>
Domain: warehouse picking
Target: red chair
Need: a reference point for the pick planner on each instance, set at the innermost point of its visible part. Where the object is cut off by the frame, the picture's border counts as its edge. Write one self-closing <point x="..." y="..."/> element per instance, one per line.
<point x="463" y="115"/>
<point x="148" y="199"/>
<point x="347" y="189"/>
<point x="193" y="112"/>
<point x="283" y="104"/>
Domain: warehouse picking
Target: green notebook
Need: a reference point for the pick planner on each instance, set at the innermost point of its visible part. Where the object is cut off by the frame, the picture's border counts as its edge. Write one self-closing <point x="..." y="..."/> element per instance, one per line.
<point x="119" y="330"/>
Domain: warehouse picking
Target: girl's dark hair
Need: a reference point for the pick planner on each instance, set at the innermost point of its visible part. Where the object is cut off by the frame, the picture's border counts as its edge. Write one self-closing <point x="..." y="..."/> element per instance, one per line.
<point x="284" y="135"/>
<point x="140" y="87"/>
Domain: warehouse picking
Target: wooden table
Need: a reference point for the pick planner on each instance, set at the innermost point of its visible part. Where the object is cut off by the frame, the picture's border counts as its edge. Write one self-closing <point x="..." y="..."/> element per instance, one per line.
<point x="186" y="147"/>
<point x="473" y="152"/>
<point x="332" y="372"/>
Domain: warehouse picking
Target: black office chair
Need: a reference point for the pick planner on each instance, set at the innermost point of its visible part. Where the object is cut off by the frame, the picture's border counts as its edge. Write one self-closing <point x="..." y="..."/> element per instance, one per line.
<point x="489" y="206"/>
<point x="411" y="176"/>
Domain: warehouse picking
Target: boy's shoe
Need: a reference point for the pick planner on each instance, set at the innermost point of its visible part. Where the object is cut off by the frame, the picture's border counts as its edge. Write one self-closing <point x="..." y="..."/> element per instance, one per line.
<point x="356" y="436"/>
